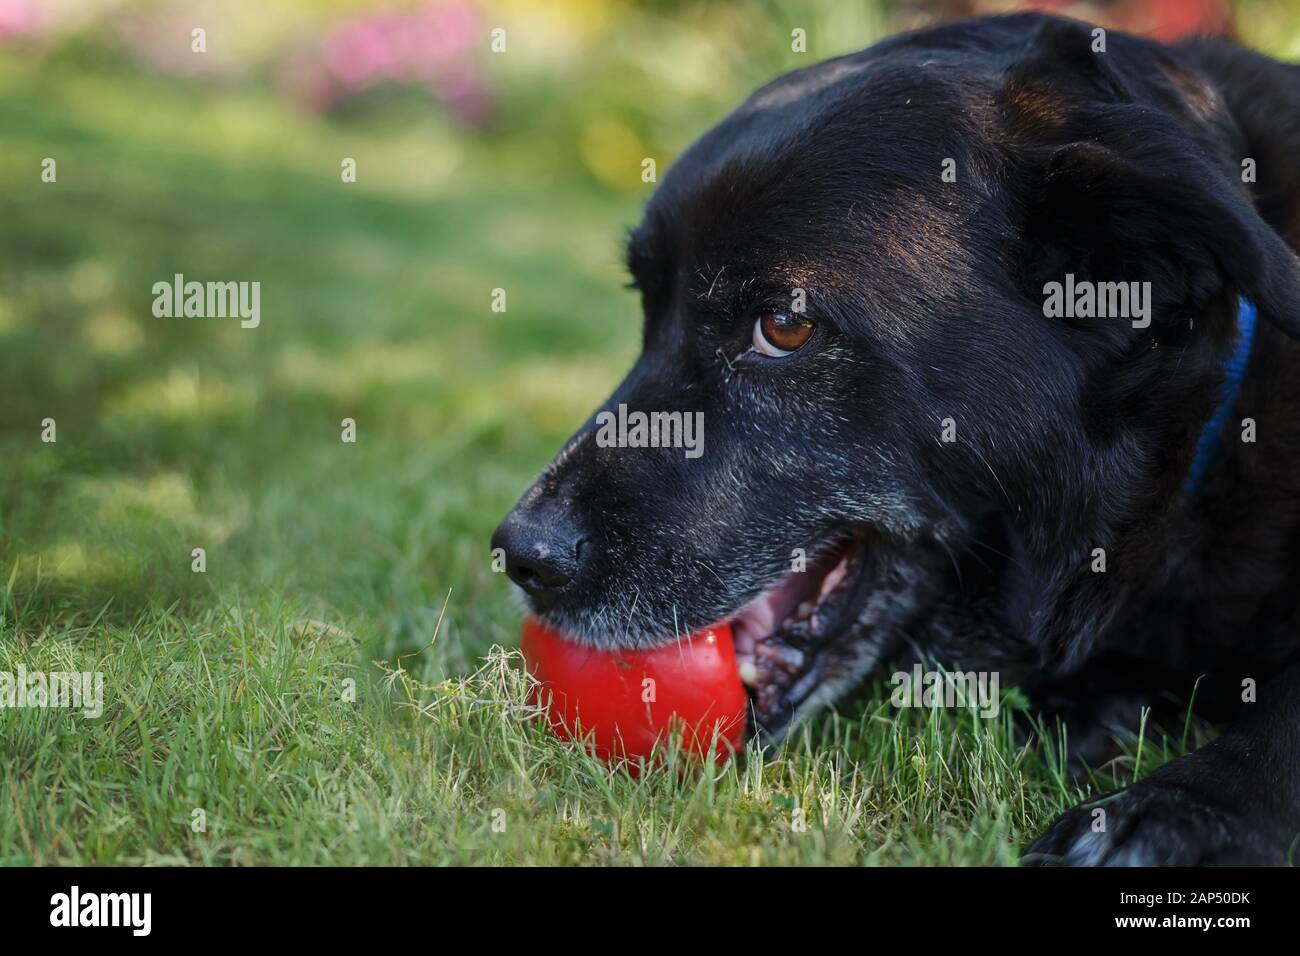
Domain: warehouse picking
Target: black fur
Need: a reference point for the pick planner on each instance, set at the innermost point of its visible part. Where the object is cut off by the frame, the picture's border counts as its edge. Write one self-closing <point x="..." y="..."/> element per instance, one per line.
<point x="1071" y="434"/>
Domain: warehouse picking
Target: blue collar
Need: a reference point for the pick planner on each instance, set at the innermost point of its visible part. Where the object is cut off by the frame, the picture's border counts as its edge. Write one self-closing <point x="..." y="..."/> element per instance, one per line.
<point x="1234" y="370"/>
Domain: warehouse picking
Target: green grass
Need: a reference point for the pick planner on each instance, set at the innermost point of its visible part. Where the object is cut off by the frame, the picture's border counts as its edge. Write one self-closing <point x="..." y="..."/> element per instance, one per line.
<point x="227" y="692"/>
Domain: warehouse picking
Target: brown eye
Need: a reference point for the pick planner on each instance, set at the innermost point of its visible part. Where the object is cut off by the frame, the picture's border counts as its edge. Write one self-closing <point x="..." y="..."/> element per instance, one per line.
<point x="780" y="333"/>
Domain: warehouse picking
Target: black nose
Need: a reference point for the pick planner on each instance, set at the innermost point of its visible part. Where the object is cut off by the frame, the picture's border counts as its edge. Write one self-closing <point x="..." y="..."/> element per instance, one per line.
<point x="543" y="548"/>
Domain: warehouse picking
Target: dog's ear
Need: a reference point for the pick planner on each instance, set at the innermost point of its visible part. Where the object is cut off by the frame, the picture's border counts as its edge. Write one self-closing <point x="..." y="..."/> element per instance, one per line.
<point x="1112" y="190"/>
<point x="1138" y="200"/>
<point x="1061" y="66"/>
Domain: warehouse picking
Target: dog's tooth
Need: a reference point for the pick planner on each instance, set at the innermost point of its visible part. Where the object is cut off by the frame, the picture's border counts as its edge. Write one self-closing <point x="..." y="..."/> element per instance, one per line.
<point x="783" y="654"/>
<point x="805" y="609"/>
<point x="834" y="578"/>
<point x="749" y="675"/>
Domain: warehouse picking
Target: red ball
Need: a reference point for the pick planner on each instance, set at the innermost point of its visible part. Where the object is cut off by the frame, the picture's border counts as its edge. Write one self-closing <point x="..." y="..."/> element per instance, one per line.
<point x="623" y="703"/>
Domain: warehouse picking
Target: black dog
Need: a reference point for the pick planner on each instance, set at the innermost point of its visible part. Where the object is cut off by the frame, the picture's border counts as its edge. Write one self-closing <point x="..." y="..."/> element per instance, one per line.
<point x="912" y="452"/>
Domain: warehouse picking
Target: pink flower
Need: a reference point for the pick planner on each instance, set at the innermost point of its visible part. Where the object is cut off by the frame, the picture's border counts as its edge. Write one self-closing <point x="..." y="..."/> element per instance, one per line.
<point x="431" y="46"/>
<point x="19" y="18"/>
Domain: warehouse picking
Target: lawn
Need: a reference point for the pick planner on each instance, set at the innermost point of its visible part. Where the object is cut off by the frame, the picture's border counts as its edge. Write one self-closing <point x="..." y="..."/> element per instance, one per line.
<point x="340" y="685"/>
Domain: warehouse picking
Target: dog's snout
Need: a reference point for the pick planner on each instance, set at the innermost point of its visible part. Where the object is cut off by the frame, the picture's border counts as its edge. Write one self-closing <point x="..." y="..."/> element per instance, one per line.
<point x="542" y="545"/>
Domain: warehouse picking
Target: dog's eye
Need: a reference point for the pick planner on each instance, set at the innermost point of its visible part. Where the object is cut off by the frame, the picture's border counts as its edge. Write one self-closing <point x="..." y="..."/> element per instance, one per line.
<point x="780" y="333"/>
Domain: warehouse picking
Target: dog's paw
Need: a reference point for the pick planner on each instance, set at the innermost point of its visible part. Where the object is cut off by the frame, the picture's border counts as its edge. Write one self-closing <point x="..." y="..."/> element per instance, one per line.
<point x="1153" y="825"/>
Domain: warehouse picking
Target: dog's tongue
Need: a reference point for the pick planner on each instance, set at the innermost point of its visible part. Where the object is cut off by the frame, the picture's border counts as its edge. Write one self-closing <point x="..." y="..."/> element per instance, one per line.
<point x="762" y="617"/>
<point x="760" y="620"/>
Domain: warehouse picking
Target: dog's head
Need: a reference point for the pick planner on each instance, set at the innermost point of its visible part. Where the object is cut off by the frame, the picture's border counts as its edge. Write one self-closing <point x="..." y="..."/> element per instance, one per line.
<point x="843" y="282"/>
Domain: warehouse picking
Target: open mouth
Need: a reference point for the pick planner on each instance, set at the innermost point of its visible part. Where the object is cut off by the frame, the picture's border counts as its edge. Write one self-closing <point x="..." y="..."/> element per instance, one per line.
<point x="781" y="637"/>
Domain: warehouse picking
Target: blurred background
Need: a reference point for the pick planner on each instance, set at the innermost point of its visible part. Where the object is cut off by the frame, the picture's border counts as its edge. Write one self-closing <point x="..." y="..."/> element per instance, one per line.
<point x="475" y="170"/>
